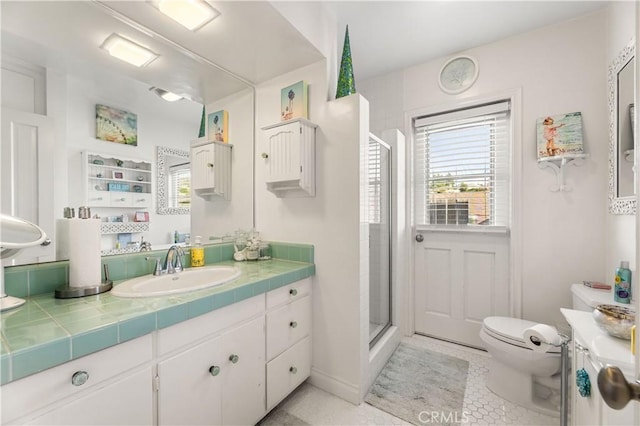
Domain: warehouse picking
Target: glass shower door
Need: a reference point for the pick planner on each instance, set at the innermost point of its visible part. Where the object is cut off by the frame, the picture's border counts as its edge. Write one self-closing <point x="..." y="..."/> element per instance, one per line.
<point x="379" y="219"/>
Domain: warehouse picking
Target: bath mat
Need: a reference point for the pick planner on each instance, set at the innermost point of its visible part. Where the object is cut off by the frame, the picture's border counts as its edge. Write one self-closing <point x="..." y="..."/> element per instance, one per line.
<point x="421" y="386"/>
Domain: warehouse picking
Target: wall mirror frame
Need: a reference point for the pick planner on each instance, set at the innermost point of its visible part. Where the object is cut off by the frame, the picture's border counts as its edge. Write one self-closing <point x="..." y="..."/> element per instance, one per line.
<point x="162" y="192"/>
<point x="621" y="203"/>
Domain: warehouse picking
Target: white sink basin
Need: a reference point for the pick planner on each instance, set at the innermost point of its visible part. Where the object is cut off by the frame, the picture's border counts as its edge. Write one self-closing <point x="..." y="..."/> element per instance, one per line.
<point x="181" y="282"/>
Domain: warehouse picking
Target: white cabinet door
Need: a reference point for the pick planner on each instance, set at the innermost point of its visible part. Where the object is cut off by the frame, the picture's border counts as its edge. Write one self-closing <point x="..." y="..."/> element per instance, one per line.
<point x="202" y="163"/>
<point x="190" y="386"/>
<point x="243" y="398"/>
<point x="126" y="402"/>
<point x="283" y="161"/>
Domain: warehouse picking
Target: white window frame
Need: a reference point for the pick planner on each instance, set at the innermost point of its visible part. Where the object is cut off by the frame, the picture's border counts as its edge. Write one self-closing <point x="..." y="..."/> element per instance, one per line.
<point x="172" y="197"/>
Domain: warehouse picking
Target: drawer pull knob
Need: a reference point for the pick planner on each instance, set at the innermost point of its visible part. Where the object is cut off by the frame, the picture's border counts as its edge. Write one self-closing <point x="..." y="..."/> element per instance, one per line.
<point x="214" y="370"/>
<point x="293" y="292"/>
<point x="234" y="358"/>
<point x="79" y="378"/>
<point x="210" y="165"/>
<point x="293" y="370"/>
<point x="120" y="199"/>
<point x="264" y="155"/>
<point x="293" y="324"/>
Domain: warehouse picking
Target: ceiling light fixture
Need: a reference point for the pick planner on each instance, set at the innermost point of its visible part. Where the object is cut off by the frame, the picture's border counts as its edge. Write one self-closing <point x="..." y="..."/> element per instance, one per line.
<point x="166" y="95"/>
<point x="192" y="14"/>
<point x="128" y="51"/>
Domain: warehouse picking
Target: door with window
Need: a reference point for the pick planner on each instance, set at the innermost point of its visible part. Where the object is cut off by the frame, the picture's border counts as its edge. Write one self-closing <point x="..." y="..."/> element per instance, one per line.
<point x="461" y="220"/>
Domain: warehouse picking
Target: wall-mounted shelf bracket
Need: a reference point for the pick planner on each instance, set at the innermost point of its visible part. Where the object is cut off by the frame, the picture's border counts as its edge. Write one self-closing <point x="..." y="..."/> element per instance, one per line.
<point x="558" y="166"/>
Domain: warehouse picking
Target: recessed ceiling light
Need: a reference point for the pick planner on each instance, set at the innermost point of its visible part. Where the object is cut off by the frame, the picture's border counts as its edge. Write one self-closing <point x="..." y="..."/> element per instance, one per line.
<point x="165" y="94"/>
<point x="128" y="51"/>
<point x="192" y="14"/>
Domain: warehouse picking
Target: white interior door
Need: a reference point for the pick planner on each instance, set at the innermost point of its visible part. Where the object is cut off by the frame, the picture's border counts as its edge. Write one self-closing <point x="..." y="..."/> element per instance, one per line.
<point x="27" y="174"/>
<point x="459" y="278"/>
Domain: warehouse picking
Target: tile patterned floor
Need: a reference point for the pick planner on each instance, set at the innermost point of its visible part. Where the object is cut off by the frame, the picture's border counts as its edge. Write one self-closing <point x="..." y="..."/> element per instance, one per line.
<point x="309" y="405"/>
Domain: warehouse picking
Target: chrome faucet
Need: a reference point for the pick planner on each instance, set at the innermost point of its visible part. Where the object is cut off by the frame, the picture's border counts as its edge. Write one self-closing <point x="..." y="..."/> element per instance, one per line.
<point x="173" y="260"/>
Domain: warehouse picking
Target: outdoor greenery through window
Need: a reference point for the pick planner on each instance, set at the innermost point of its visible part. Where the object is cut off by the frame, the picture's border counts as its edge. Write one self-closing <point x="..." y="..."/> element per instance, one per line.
<point x="180" y="185"/>
<point x="462" y="167"/>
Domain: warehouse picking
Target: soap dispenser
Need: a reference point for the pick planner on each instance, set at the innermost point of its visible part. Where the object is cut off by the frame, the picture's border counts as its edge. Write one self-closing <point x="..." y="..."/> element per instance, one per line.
<point x="622" y="290"/>
<point x="197" y="253"/>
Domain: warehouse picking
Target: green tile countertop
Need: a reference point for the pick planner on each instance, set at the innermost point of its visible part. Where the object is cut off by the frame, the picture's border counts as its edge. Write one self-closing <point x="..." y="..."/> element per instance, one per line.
<point x="46" y="332"/>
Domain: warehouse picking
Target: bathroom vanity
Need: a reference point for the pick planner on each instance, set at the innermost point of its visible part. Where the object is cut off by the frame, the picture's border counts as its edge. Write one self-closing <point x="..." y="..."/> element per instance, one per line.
<point x="229" y="363"/>
<point x="592" y="349"/>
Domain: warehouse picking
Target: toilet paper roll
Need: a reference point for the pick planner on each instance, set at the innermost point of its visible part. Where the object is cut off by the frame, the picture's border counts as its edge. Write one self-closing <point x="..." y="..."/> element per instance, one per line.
<point x="84" y="252"/>
<point x="541" y="337"/>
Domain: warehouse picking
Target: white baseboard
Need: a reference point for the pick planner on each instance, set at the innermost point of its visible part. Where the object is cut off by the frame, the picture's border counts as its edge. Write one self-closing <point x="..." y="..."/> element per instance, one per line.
<point x="338" y="387"/>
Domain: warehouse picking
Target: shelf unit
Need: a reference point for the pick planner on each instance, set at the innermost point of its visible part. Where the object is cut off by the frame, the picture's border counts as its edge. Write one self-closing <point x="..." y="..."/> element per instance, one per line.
<point x="117" y="182"/>
<point x="289" y="154"/>
<point x="119" y="186"/>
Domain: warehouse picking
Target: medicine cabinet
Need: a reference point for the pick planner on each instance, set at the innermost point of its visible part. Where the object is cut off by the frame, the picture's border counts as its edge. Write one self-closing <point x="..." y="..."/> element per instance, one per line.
<point x="288" y="152"/>
<point x="211" y="169"/>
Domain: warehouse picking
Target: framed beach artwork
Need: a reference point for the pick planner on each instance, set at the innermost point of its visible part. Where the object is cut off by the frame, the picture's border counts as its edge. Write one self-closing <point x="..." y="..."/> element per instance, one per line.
<point x="218" y="125"/>
<point x="116" y="125"/>
<point x="559" y="136"/>
<point x="294" y="102"/>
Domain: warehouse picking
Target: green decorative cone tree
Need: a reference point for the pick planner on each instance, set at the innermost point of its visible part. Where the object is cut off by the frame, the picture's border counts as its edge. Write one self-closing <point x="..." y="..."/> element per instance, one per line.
<point x="202" y="124"/>
<point x="346" y="81"/>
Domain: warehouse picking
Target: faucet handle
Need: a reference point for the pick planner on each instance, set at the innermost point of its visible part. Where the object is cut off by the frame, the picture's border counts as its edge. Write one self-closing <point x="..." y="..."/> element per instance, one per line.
<point x="179" y="259"/>
<point x="158" y="267"/>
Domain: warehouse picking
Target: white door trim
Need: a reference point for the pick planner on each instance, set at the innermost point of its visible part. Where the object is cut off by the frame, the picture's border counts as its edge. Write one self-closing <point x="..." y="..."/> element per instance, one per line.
<point x="515" y="250"/>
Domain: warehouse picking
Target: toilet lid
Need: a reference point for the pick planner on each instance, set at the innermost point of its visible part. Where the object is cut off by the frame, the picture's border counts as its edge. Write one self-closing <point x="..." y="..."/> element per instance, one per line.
<point x="509" y="330"/>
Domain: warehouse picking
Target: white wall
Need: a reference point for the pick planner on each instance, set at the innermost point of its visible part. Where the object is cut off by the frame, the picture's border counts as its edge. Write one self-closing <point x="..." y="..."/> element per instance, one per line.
<point x="559" y="69"/>
<point x="330" y="221"/>
<point x="218" y="217"/>
<point x="621" y="229"/>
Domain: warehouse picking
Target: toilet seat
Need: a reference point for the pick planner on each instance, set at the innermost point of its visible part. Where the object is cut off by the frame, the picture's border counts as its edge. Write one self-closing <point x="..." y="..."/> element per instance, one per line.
<point x="510" y="330"/>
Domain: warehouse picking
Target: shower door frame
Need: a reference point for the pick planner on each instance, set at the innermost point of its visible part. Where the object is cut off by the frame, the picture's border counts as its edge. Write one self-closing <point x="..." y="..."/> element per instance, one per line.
<point x="389" y="206"/>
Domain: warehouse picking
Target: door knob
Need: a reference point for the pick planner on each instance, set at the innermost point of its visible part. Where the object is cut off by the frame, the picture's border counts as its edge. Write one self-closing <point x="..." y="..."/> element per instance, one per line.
<point x="419" y="238"/>
<point x="214" y="370"/>
<point x="615" y="389"/>
<point x="234" y="358"/>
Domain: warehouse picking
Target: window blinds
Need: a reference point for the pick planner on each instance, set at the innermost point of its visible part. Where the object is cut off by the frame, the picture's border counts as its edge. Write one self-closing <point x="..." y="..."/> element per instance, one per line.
<point x="179" y="186"/>
<point x="462" y="167"/>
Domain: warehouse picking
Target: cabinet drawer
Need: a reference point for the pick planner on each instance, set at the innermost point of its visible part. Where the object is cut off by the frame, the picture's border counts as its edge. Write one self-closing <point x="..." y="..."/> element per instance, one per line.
<point x="289" y="293"/>
<point x="39" y="390"/>
<point x="193" y="331"/>
<point x="98" y="199"/>
<point x="120" y="199"/>
<point x="287" y="371"/>
<point x="140" y="199"/>
<point x="287" y="325"/>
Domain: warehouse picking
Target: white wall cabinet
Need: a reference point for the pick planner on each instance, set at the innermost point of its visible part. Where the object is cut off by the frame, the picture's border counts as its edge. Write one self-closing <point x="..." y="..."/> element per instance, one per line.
<point x="288" y="151"/>
<point x="211" y="169"/>
<point x="209" y="370"/>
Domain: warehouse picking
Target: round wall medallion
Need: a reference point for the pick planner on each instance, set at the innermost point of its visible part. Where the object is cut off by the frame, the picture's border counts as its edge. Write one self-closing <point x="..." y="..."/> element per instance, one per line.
<point x="458" y="74"/>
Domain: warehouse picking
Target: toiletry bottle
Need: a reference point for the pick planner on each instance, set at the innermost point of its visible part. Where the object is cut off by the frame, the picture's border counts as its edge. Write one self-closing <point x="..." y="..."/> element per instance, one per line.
<point x="622" y="290"/>
<point x="197" y="253"/>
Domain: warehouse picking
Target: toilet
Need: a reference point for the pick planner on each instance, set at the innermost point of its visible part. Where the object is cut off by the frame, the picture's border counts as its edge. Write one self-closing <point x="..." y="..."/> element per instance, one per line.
<point x="517" y="373"/>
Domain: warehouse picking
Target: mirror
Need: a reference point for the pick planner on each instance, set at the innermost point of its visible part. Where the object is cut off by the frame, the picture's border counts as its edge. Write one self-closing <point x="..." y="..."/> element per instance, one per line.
<point x="174" y="181"/>
<point x="60" y="41"/>
<point x="622" y="170"/>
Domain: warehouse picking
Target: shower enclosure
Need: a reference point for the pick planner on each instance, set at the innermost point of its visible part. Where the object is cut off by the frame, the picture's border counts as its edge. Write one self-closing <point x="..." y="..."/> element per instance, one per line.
<point x="379" y="220"/>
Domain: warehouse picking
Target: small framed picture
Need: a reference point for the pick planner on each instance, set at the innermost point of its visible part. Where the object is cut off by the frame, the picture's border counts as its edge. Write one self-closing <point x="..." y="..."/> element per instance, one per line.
<point x="142" y="217"/>
<point x="117" y="175"/>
